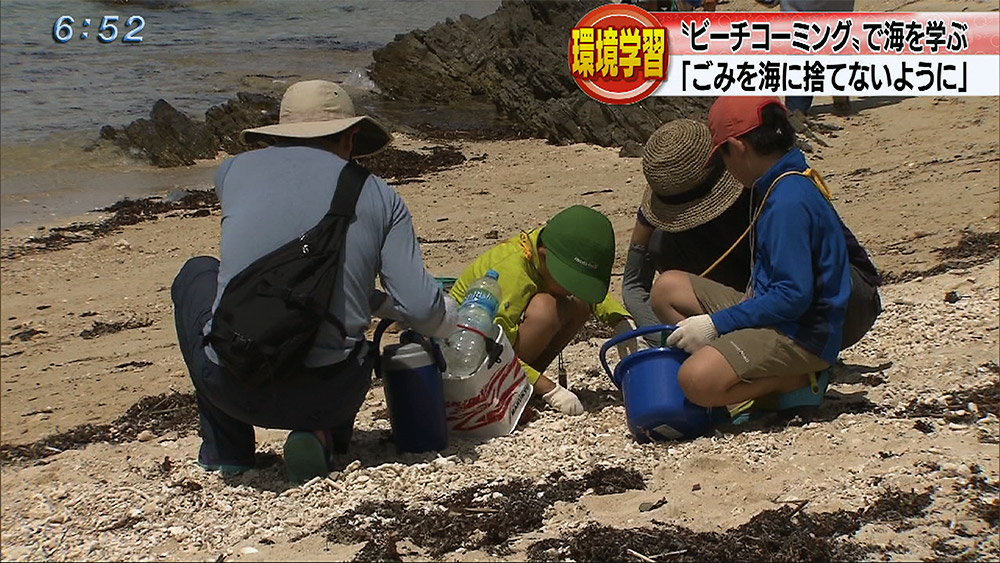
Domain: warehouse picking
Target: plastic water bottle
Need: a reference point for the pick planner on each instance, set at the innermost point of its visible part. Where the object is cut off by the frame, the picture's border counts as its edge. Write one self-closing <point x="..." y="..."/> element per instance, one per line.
<point x="465" y="349"/>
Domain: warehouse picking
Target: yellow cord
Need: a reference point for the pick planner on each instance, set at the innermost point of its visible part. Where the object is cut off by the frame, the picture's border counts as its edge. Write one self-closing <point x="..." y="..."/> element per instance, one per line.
<point x="817" y="180"/>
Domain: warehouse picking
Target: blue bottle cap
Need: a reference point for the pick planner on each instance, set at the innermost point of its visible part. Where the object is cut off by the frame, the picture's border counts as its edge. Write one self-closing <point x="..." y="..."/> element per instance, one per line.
<point x="493" y="274"/>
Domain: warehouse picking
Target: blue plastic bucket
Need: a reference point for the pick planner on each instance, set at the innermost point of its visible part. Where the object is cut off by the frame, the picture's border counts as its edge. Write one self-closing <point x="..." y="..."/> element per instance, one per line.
<point x="655" y="405"/>
<point x="414" y="395"/>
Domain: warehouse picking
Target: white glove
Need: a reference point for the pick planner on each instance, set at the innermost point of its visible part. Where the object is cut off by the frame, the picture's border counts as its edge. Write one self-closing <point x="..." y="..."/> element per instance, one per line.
<point x="692" y="333"/>
<point x="450" y="319"/>
<point x="630" y="346"/>
<point x="563" y="400"/>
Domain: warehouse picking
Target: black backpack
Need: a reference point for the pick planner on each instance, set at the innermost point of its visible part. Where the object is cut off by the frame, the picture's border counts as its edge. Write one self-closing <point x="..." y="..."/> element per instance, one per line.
<point x="269" y="313"/>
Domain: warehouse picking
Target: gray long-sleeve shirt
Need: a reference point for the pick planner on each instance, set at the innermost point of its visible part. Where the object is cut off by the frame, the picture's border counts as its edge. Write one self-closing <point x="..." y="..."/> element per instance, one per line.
<point x="691" y="251"/>
<point x="273" y="195"/>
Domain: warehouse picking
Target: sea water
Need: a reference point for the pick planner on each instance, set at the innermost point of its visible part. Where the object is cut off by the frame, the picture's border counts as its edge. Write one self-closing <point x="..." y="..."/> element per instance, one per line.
<point x="55" y="97"/>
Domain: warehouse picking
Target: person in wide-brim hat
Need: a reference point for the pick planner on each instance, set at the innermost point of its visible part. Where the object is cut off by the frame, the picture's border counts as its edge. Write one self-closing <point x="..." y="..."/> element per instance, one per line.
<point x="688" y="217"/>
<point x="314" y="109"/>
<point x="300" y="197"/>
<point x="681" y="192"/>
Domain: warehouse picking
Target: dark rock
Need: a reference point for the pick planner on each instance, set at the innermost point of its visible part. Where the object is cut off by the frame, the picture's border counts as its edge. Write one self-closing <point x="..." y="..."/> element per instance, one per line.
<point x="631" y="149"/>
<point x="170" y="138"/>
<point x="517" y="57"/>
<point x="193" y="140"/>
<point x="167" y="138"/>
<point x="108" y="132"/>
<point x="225" y="121"/>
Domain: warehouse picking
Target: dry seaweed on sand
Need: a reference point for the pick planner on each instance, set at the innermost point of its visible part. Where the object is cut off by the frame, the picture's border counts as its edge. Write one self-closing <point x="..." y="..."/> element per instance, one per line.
<point x="506" y="132"/>
<point x="784" y="534"/>
<point x="124" y="212"/>
<point x="26" y="334"/>
<point x="100" y="328"/>
<point x="157" y="414"/>
<point x="972" y="249"/>
<point x="398" y="164"/>
<point x="955" y="407"/>
<point x="479" y="516"/>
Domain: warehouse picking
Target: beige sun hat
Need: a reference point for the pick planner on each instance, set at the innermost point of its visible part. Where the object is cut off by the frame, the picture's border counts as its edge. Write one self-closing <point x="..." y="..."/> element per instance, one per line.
<point x="682" y="193"/>
<point x="317" y="108"/>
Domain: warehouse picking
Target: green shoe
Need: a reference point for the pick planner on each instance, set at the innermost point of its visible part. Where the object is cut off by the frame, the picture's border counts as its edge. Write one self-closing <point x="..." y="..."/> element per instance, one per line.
<point x="305" y="457"/>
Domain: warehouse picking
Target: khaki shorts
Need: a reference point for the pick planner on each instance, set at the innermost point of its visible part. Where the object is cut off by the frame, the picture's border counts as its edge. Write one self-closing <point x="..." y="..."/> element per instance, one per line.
<point x="753" y="352"/>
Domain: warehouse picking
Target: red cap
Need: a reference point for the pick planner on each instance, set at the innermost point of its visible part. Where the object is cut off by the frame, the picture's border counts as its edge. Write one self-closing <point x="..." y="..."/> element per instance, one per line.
<point x="732" y="116"/>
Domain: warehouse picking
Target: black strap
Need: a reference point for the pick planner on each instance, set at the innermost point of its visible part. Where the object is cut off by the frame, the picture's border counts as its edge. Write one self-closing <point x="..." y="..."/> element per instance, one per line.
<point x="345" y="199"/>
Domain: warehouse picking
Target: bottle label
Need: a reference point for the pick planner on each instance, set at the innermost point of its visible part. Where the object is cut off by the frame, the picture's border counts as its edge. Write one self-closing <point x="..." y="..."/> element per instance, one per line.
<point x="483" y="298"/>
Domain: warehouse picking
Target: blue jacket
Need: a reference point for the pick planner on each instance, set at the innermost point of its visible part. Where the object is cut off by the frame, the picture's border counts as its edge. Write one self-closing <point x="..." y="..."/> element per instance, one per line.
<point x="801" y="275"/>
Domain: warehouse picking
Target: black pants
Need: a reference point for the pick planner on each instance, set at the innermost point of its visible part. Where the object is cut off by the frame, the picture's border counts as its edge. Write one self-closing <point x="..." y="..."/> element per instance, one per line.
<point x="327" y="397"/>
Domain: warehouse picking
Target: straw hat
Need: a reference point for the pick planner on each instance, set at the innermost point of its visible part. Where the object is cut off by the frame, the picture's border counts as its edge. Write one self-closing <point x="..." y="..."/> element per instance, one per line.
<point x="682" y="193"/>
<point x="317" y="108"/>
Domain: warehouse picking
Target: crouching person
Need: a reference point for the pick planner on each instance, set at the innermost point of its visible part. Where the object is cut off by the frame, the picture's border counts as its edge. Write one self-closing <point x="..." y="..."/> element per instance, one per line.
<point x="552" y="280"/>
<point x="788" y="326"/>
<point x="272" y="196"/>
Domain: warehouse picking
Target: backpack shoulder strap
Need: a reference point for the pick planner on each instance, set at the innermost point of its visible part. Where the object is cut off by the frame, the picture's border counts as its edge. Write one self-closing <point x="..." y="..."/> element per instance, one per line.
<point x="817" y="180"/>
<point x="345" y="199"/>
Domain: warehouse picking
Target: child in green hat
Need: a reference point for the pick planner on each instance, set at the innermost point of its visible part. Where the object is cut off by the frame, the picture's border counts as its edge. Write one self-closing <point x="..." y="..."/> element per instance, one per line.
<point x="552" y="279"/>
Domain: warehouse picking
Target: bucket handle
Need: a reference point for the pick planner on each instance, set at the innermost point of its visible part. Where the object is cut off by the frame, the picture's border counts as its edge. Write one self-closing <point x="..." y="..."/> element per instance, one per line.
<point x="627" y="336"/>
<point x="407" y="336"/>
<point x="377" y="343"/>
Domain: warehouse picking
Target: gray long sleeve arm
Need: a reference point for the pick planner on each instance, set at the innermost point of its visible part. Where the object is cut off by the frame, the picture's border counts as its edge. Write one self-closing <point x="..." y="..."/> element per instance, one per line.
<point x="417" y="297"/>
<point x="637" y="282"/>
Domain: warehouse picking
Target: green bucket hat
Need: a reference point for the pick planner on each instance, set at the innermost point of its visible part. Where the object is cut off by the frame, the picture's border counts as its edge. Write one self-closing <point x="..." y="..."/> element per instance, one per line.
<point x="580" y="244"/>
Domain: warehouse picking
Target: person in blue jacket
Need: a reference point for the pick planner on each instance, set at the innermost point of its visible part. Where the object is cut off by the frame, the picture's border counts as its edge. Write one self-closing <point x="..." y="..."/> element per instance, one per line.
<point x="778" y="337"/>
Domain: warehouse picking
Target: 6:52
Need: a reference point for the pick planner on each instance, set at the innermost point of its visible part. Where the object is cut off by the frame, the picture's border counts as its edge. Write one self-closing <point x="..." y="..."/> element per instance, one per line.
<point x="62" y="31"/>
<point x="107" y="25"/>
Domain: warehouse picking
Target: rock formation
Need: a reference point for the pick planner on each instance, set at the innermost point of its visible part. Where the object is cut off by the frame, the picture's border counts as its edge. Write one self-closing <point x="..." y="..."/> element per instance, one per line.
<point x="518" y="57"/>
<point x="170" y="138"/>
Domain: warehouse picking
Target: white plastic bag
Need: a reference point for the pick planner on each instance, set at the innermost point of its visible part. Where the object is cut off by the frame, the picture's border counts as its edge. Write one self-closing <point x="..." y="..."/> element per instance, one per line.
<point x="489" y="402"/>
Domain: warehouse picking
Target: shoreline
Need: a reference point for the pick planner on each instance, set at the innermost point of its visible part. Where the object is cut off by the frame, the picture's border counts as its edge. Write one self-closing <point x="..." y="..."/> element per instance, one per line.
<point x="426" y="148"/>
<point x="420" y="153"/>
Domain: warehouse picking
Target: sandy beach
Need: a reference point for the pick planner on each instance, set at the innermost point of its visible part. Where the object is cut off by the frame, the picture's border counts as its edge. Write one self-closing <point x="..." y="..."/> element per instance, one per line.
<point x="99" y="434"/>
<point x="913" y="409"/>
